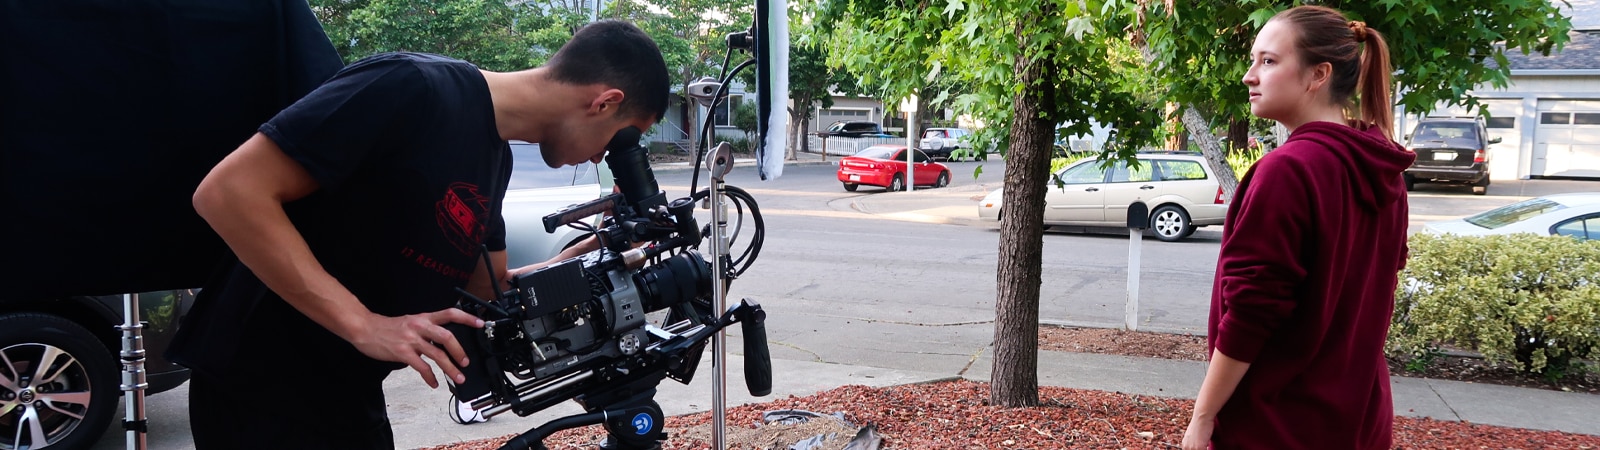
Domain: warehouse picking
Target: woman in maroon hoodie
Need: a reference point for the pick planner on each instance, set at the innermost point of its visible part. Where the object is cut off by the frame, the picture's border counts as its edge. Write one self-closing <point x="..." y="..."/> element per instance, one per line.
<point x="1314" y="239"/>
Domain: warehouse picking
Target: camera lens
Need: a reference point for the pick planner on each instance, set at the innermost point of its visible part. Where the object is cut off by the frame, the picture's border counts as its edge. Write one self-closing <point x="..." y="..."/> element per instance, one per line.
<point x="683" y="277"/>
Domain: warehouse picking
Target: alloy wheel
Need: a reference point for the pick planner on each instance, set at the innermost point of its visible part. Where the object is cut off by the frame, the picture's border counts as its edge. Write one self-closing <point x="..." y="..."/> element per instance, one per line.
<point x="44" y="395"/>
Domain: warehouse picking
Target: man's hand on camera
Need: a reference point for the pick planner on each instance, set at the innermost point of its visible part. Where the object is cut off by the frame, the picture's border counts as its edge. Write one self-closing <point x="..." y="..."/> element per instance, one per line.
<point x="407" y="339"/>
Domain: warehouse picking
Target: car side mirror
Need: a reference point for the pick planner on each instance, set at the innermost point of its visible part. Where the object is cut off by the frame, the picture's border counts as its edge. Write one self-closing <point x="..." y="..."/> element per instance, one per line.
<point x="1494" y="141"/>
<point x="1408" y="136"/>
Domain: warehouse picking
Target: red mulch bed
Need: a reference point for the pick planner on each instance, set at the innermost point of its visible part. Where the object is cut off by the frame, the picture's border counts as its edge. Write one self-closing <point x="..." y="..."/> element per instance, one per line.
<point x="956" y="415"/>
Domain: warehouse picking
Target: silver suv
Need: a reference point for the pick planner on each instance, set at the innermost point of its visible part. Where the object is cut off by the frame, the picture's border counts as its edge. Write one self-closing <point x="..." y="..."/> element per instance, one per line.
<point x="940" y="143"/>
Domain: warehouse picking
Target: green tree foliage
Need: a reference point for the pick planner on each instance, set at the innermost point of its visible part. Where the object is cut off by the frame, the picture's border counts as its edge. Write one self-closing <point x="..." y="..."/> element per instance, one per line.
<point x="692" y="35"/>
<point x="1440" y="49"/>
<point x="744" y="118"/>
<point x="1025" y="66"/>
<point x="494" y="35"/>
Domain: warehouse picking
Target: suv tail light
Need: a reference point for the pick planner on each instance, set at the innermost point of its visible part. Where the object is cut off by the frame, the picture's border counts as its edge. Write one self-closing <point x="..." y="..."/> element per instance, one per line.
<point x="1478" y="156"/>
<point x="1219" y="199"/>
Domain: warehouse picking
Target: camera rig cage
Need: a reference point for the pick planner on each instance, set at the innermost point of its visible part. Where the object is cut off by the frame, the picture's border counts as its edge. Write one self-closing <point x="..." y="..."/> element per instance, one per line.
<point x="577" y="329"/>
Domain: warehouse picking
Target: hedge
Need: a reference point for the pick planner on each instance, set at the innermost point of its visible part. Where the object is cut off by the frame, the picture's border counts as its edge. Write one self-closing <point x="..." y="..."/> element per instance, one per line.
<point x="1524" y="299"/>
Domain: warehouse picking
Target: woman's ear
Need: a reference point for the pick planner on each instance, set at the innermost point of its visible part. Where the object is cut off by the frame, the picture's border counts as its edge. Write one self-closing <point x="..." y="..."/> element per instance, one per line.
<point x="1320" y="75"/>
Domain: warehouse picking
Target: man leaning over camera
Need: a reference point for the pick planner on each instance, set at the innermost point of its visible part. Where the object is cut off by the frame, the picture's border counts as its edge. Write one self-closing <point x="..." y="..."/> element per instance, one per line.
<point x="355" y="213"/>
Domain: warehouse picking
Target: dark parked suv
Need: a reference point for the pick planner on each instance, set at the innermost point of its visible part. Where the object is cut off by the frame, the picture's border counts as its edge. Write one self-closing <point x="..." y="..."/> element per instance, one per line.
<point x="1450" y="150"/>
<point x="60" y="373"/>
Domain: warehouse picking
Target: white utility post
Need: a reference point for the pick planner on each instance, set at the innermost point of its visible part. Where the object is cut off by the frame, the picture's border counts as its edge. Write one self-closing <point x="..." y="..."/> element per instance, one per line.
<point x="909" y="106"/>
<point x="1138" y="220"/>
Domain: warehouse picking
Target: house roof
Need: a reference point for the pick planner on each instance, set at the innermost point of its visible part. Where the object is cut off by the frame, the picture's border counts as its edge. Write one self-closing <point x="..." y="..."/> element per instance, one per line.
<point x="1581" y="53"/>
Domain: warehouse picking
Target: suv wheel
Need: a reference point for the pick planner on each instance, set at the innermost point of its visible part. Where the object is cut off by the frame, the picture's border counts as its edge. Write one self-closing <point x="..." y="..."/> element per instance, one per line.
<point x="58" y="384"/>
<point x="1171" y="223"/>
<point x="1411" y="182"/>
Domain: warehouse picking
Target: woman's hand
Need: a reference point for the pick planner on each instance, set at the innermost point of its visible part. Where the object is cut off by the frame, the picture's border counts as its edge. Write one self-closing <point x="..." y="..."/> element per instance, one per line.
<point x="1198" y="436"/>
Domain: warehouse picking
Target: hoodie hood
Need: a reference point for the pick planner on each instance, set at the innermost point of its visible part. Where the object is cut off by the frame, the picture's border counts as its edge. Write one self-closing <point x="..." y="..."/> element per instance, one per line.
<point x="1373" y="161"/>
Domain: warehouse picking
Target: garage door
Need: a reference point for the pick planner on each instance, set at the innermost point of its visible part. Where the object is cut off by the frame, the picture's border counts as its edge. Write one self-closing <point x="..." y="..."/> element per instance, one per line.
<point x="1567" y="139"/>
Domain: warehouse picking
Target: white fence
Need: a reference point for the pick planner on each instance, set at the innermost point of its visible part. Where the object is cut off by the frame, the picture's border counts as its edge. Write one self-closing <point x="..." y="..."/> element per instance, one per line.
<point x="846" y="146"/>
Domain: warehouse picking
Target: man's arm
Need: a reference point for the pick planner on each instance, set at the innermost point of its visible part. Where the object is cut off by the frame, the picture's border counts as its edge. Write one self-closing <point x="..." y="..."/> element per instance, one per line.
<point x="480" y="286"/>
<point x="242" y="199"/>
<point x="587" y="245"/>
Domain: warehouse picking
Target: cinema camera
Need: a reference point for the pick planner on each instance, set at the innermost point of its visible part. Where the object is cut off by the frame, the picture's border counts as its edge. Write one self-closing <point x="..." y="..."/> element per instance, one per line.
<point x="578" y="329"/>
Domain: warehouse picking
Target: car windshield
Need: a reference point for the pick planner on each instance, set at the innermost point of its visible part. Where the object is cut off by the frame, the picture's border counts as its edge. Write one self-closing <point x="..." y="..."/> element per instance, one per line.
<point x="878" y="152"/>
<point x="528" y="170"/>
<point x="933" y="134"/>
<point x="1513" y="213"/>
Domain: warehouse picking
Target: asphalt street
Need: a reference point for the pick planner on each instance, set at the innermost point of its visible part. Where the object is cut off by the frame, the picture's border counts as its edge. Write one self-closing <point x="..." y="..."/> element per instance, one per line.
<point x="883" y="288"/>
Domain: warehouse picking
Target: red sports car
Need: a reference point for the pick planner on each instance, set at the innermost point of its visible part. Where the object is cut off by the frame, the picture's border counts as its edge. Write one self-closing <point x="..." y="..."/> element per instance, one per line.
<point x="885" y="165"/>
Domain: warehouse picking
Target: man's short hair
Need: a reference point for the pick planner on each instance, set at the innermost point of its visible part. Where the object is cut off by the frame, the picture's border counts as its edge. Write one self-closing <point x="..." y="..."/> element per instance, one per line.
<point x="620" y="55"/>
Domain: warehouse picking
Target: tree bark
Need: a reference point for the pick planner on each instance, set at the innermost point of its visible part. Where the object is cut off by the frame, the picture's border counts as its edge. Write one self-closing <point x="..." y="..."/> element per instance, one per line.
<point x="1213" y="151"/>
<point x="797" y="130"/>
<point x="1238" y="135"/>
<point x="1015" y="377"/>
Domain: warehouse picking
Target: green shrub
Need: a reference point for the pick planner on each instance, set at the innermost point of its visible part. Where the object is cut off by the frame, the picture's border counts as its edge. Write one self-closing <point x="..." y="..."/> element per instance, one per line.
<point x="1532" y="300"/>
<point x="1240" y="161"/>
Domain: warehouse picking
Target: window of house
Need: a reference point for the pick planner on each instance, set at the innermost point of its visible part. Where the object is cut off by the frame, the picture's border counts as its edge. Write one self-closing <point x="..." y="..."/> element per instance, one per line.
<point x="723" y="114"/>
<point x="1501" y="122"/>
<point x="1555" y="118"/>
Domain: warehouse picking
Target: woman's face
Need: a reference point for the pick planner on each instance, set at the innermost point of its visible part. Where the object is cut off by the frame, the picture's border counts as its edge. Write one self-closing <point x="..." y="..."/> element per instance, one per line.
<point x="1281" y="86"/>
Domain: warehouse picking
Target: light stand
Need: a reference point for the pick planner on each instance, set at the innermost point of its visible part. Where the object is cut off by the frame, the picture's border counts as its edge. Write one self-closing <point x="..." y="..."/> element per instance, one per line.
<point x="133" y="375"/>
<point x="719" y="162"/>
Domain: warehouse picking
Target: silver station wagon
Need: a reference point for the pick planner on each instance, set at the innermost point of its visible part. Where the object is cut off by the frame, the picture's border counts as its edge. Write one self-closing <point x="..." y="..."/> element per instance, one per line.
<point x="1179" y="189"/>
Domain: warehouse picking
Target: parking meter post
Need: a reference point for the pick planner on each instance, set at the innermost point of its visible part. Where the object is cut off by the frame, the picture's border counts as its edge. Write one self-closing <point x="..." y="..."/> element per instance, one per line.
<point x="824" y="137"/>
<point x="133" y="376"/>
<point x="1138" y="220"/>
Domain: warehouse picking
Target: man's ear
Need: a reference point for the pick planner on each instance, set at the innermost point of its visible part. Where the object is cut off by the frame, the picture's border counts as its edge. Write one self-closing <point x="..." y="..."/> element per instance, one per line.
<point x="607" y="102"/>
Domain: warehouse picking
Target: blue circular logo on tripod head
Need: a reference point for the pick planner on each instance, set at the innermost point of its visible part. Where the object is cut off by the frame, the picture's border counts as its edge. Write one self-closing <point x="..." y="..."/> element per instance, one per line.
<point x="642" y="424"/>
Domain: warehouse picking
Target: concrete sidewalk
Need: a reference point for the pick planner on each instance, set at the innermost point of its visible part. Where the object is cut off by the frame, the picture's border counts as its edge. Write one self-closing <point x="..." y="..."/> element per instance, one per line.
<point x="419" y="418"/>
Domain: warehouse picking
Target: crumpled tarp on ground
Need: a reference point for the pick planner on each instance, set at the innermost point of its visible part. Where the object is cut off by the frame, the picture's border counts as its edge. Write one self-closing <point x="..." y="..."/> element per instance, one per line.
<point x="865" y="438"/>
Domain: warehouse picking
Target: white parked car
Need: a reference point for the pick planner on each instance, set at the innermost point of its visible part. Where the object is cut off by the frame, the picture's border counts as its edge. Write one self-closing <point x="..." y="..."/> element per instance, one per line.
<point x="1575" y="214"/>
<point x="535" y="191"/>
<point x="1179" y="189"/>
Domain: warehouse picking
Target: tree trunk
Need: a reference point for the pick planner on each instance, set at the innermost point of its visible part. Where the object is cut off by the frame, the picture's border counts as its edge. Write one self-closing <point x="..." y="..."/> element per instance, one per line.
<point x="805" y="137"/>
<point x="1015" y="377"/>
<point x="1238" y="135"/>
<point x="920" y="116"/>
<point x="1179" y="141"/>
<point x="797" y="131"/>
<point x="1213" y="151"/>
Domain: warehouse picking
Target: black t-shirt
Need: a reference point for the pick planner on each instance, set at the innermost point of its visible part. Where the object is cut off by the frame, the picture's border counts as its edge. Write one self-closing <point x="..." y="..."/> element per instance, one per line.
<point x="411" y="172"/>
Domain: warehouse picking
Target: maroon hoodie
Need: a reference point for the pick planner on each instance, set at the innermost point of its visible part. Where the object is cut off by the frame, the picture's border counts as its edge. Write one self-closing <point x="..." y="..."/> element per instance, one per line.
<point x="1304" y="290"/>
